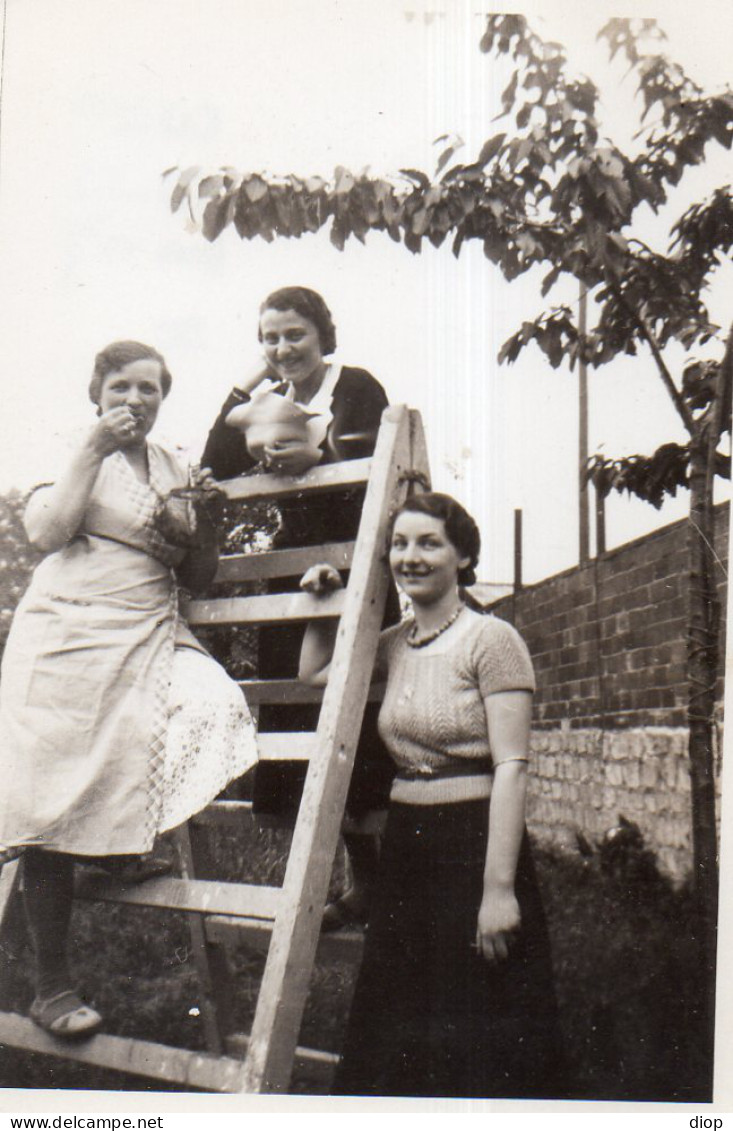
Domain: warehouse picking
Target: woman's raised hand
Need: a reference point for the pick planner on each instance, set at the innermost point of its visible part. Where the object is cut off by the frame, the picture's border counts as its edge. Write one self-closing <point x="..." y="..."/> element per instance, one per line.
<point x="253" y="377"/>
<point x="113" y="430"/>
<point x="321" y="579"/>
<point x="499" y="920"/>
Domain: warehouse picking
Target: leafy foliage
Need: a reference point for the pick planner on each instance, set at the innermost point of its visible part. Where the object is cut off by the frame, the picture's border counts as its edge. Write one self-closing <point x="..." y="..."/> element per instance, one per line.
<point x="17" y="558"/>
<point x="547" y="192"/>
<point x="648" y="477"/>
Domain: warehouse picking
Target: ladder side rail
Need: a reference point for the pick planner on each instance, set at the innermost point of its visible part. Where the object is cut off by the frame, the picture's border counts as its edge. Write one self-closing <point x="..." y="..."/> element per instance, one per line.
<point x="295" y="935"/>
<point x="9" y="880"/>
<point x="211" y="967"/>
<point x="12" y="918"/>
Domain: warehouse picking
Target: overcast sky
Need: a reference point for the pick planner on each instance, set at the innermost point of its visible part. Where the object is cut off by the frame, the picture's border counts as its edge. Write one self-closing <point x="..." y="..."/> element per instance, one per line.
<point x="100" y="96"/>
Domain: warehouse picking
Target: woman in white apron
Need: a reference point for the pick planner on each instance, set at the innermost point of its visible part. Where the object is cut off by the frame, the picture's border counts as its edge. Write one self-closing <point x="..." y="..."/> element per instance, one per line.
<point x="115" y="724"/>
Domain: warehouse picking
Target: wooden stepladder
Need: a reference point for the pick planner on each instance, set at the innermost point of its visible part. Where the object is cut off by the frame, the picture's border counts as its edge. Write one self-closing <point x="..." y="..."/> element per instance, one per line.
<point x="291" y="915"/>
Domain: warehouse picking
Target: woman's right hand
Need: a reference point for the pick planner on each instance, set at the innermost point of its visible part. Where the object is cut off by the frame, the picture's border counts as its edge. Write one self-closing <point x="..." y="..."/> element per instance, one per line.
<point x="112" y="430"/>
<point x="254" y="376"/>
<point x="321" y="579"/>
<point x="320" y="635"/>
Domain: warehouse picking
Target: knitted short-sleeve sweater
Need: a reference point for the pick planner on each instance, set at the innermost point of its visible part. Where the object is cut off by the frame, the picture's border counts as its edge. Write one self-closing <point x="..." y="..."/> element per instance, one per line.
<point x="433" y="709"/>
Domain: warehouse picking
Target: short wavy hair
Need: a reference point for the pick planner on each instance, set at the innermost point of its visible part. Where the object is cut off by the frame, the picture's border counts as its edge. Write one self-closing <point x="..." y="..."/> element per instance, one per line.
<point x="308" y="304"/>
<point x="460" y="527"/>
<point x="119" y="354"/>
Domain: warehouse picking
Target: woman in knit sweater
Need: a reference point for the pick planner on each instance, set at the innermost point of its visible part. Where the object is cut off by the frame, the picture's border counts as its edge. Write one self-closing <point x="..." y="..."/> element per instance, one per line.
<point x="455" y="994"/>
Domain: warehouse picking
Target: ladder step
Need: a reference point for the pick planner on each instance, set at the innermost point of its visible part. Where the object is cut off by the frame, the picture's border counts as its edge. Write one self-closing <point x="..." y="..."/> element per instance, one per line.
<point x="281" y="608"/>
<point x="252" y="900"/>
<point x="286" y="745"/>
<point x="225" y="930"/>
<point x="283" y="563"/>
<point x="292" y="691"/>
<point x="258" y="691"/>
<point x="330" y="477"/>
<point x="218" y="813"/>
<point x="127" y="1054"/>
<point x="319" y="1065"/>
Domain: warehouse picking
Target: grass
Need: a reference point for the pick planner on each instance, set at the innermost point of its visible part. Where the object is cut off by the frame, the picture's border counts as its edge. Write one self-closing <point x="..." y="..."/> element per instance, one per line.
<point x="625" y="962"/>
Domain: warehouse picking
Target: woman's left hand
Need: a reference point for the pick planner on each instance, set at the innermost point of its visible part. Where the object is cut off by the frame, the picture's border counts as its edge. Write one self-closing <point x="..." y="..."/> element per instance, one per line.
<point x="203" y="477"/>
<point x="291" y="459"/>
<point x="499" y="920"/>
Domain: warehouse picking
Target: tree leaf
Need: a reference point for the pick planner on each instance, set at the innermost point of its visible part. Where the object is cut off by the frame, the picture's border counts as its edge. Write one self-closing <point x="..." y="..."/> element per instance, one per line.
<point x="215" y="218"/>
<point x="344" y="181"/>
<point x="490" y="148"/>
<point x="444" y="159"/>
<point x="255" y="187"/>
<point x="180" y="192"/>
<point x="415" y="175"/>
<point x="509" y="94"/>
<point x="211" y="186"/>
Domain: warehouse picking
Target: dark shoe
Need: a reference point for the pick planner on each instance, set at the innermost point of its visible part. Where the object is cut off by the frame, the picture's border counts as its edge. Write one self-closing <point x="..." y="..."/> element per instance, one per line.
<point x="148" y="867"/>
<point x="350" y="910"/>
<point x="66" y="1016"/>
<point x="133" y="869"/>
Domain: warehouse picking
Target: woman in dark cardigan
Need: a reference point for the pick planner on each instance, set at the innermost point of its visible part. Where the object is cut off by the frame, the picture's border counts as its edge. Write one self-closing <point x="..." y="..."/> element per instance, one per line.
<point x="297" y="333"/>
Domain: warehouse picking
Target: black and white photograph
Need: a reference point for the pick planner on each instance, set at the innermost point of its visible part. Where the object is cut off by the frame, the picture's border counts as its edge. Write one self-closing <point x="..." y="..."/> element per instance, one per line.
<point x="367" y="376"/>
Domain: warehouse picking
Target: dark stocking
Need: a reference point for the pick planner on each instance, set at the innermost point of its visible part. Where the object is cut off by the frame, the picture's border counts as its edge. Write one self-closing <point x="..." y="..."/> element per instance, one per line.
<point x="48" y="889"/>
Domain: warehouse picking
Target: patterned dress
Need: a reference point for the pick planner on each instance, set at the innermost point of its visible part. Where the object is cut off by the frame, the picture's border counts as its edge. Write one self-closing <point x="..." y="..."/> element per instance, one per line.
<point x="115" y="724"/>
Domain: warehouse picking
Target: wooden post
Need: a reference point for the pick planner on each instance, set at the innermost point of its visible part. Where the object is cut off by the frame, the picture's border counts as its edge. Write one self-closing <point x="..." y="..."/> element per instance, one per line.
<point x="583" y="515"/>
<point x="600" y="524"/>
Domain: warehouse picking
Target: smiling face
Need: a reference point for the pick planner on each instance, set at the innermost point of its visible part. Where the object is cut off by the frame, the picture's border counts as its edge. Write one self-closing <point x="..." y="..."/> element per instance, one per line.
<point x="138" y="386"/>
<point x="423" y="560"/>
<point x="292" y="347"/>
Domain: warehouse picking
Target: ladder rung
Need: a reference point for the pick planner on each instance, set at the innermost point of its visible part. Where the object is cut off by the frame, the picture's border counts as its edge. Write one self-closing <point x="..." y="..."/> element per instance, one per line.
<point x="315" y="1062"/>
<point x="283" y="563"/>
<point x="330" y="477"/>
<point x="279" y="691"/>
<point x="223" y="813"/>
<point x="126" y="1054"/>
<point x="224" y="930"/>
<point x="283" y="608"/>
<point x="252" y="900"/>
<point x="291" y="691"/>
<point x="286" y="745"/>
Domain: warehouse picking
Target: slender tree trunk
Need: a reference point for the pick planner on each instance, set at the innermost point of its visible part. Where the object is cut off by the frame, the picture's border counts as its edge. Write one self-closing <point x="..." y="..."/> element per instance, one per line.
<point x="702" y="666"/>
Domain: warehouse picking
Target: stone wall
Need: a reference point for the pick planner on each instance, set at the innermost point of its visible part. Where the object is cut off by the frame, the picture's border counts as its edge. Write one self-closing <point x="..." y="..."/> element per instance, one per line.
<point x="608" y="641"/>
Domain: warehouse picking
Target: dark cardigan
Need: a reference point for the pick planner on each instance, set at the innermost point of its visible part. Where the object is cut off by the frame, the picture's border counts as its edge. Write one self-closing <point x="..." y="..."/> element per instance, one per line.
<point x="357" y="405"/>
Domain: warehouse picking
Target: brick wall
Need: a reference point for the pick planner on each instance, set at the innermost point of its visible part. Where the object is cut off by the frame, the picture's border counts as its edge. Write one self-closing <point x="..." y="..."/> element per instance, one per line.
<point x="608" y="641"/>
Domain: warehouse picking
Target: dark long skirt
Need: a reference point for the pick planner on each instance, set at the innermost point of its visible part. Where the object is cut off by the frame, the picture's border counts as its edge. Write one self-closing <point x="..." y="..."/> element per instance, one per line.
<point x="430" y="1017"/>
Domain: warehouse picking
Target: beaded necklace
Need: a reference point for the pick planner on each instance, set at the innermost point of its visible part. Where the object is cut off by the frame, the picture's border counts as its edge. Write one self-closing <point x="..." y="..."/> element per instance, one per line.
<point x="416" y="641"/>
